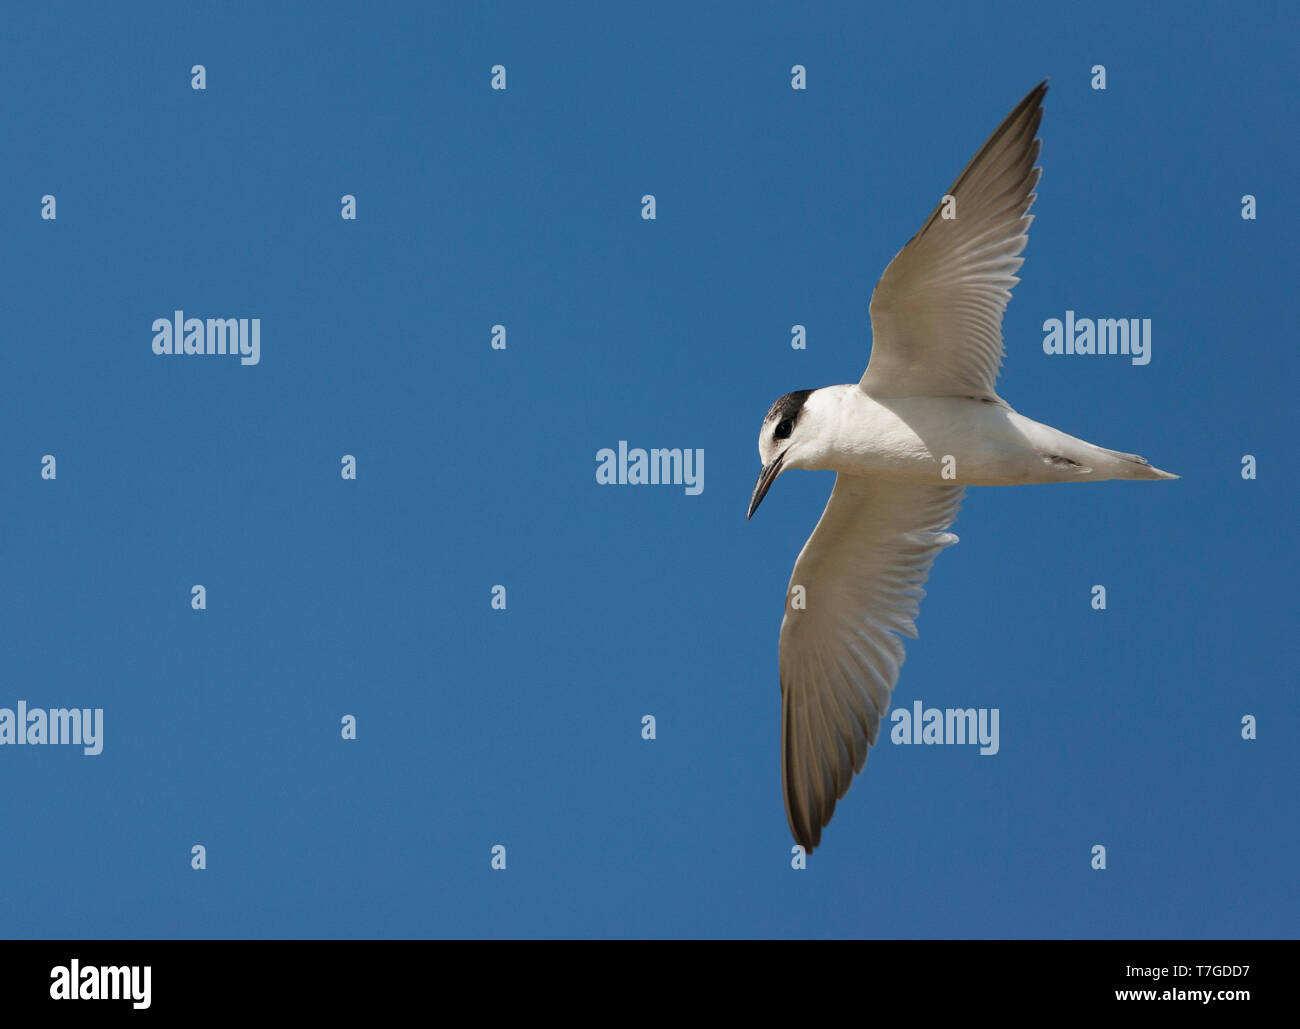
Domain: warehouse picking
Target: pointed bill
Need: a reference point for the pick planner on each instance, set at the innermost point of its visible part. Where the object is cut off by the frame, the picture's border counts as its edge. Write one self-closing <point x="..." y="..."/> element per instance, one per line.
<point x="765" y="479"/>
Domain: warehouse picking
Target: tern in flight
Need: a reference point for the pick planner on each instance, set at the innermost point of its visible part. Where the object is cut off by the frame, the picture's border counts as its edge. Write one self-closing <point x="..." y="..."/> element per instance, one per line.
<point x="924" y="422"/>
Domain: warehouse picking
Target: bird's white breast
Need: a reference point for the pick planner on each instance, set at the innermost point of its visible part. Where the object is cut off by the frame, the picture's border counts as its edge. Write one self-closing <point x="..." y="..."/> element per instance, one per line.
<point x="931" y="439"/>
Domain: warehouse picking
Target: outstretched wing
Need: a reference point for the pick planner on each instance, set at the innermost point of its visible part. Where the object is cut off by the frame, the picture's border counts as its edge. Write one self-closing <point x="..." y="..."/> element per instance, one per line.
<point x="862" y="572"/>
<point x="936" y="313"/>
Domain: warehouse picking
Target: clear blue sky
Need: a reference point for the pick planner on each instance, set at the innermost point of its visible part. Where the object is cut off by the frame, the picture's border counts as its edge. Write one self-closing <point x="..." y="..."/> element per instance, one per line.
<point x="476" y="467"/>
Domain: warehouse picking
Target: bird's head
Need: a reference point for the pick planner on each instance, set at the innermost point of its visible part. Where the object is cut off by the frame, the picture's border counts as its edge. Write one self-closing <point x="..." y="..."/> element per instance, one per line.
<point x="785" y="431"/>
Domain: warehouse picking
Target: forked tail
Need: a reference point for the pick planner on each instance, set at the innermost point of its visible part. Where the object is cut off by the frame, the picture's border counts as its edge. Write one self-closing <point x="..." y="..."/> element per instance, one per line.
<point x="1135" y="466"/>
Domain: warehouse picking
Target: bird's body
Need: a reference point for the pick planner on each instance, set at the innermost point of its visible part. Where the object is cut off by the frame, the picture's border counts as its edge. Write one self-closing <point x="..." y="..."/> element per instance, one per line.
<point x="977" y="442"/>
<point x="924" y="422"/>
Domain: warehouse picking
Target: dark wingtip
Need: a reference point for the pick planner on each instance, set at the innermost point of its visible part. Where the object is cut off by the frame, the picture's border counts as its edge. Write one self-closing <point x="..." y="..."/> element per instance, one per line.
<point x="809" y="834"/>
<point x="1034" y="98"/>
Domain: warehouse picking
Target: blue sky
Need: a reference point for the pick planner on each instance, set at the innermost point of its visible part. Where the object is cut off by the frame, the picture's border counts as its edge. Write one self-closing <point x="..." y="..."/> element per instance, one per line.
<point x="476" y="467"/>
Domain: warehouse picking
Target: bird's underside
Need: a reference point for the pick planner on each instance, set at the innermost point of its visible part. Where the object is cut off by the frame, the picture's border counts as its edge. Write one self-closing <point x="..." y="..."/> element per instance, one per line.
<point x="936" y="318"/>
<point x="862" y="571"/>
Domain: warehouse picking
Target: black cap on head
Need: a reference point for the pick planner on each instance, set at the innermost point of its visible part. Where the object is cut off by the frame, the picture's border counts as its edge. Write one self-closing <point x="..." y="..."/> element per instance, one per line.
<point x="788" y="406"/>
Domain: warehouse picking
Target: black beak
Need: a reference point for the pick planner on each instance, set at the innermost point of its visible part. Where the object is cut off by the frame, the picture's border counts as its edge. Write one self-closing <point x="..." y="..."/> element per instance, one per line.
<point x="765" y="479"/>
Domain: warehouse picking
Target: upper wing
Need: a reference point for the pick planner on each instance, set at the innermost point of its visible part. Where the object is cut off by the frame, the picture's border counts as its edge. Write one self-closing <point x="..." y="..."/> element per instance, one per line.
<point x="936" y="313"/>
<point x="862" y="571"/>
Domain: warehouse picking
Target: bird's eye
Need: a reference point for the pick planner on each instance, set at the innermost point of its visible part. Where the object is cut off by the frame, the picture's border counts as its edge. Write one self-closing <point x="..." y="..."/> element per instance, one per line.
<point x="784" y="429"/>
